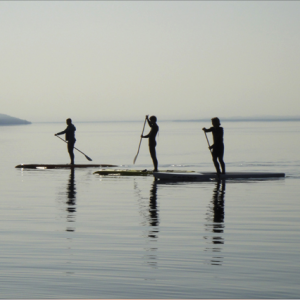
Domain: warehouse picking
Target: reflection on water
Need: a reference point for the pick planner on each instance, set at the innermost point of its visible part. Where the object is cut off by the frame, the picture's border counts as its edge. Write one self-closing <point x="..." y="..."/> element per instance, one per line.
<point x="149" y="212"/>
<point x="153" y="212"/>
<point x="153" y="220"/>
<point x="215" y="223"/>
<point x="71" y="200"/>
<point x="67" y="201"/>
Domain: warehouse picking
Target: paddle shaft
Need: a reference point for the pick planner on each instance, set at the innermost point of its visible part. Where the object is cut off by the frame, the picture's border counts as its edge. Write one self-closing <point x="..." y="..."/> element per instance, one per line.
<point x="88" y="158"/>
<point x="134" y="160"/>
<point x="207" y="142"/>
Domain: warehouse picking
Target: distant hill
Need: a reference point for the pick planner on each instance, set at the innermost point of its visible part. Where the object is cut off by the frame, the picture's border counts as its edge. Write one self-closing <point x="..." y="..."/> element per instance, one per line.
<point x="6" y="120"/>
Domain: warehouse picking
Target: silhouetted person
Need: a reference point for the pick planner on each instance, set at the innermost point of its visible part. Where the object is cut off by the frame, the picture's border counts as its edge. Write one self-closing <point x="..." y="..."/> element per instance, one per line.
<point x="218" y="146"/>
<point x="152" y="142"/>
<point x="70" y="137"/>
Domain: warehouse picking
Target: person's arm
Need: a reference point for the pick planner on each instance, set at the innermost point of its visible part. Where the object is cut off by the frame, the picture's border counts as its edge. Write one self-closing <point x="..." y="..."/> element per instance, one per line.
<point x="62" y="132"/>
<point x="207" y="130"/>
<point x="146" y="136"/>
<point x="149" y="123"/>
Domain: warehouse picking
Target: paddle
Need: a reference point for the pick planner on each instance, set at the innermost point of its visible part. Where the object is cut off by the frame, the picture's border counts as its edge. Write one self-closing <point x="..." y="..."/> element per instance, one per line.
<point x="140" y="142"/>
<point x="88" y="158"/>
<point x="208" y="143"/>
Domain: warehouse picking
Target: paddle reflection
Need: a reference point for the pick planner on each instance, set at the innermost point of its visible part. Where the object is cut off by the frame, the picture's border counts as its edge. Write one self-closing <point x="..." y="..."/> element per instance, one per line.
<point x="215" y="224"/>
<point x="71" y="199"/>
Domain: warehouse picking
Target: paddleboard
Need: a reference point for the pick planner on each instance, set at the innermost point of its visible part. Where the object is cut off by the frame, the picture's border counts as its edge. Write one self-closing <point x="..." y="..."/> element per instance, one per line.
<point x="208" y="176"/>
<point x="61" y="166"/>
<point x="127" y="172"/>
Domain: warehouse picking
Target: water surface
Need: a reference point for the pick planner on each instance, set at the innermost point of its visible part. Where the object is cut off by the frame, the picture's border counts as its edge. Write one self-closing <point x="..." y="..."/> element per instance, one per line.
<point x="78" y="235"/>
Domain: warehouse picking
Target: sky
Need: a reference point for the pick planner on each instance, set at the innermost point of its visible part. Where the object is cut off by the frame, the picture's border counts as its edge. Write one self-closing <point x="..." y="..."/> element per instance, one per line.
<point x="122" y="60"/>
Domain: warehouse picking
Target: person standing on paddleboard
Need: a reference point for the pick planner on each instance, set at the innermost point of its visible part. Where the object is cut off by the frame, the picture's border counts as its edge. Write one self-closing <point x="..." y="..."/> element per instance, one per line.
<point x="218" y="146"/>
<point x="70" y="137"/>
<point x="152" y="142"/>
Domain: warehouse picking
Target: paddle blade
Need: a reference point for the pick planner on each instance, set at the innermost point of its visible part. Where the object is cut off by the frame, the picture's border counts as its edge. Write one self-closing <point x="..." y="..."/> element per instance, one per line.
<point x="140" y="142"/>
<point x="134" y="160"/>
<point x="88" y="158"/>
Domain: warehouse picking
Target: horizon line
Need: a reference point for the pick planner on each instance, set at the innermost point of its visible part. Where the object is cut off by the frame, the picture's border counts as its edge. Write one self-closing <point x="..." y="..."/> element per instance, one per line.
<point x="230" y="119"/>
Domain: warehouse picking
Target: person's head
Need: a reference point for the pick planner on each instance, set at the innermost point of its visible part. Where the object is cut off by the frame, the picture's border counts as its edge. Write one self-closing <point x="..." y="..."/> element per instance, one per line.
<point x="153" y="119"/>
<point x="216" y="122"/>
<point x="69" y="121"/>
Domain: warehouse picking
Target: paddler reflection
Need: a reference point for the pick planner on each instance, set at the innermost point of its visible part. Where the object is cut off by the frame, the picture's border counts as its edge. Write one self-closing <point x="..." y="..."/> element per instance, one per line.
<point x="218" y="206"/>
<point x="153" y="220"/>
<point x="215" y="222"/>
<point x="71" y="199"/>
<point x="148" y="209"/>
<point x="153" y="212"/>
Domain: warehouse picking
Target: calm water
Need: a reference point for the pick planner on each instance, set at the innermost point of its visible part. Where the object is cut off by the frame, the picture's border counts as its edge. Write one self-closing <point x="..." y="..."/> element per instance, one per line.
<point x="79" y="235"/>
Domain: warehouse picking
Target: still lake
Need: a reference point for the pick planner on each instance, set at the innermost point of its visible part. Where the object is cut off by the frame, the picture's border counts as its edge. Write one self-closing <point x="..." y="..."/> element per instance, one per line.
<point x="79" y="235"/>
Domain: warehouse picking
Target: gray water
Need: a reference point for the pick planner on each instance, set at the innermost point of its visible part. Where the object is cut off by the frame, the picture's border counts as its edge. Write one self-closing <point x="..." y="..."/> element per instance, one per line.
<point x="80" y="235"/>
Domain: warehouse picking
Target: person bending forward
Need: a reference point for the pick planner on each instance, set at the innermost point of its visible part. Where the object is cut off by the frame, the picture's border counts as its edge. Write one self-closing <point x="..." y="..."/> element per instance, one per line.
<point x="70" y="137"/>
<point x="218" y="146"/>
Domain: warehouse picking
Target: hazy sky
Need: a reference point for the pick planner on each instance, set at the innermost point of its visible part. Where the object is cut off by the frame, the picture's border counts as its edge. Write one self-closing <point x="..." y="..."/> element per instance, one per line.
<point x="120" y="60"/>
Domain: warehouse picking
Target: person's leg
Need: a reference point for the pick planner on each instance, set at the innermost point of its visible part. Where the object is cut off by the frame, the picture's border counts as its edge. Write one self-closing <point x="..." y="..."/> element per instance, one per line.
<point x="221" y="154"/>
<point x="222" y="165"/>
<point x="153" y="156"/>
<point x="215" y="160"/>
<point x="71" y="151"/>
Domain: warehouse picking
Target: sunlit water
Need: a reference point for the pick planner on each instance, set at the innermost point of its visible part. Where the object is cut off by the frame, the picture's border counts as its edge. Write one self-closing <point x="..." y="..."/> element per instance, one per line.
<point x="80" y="235"/>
